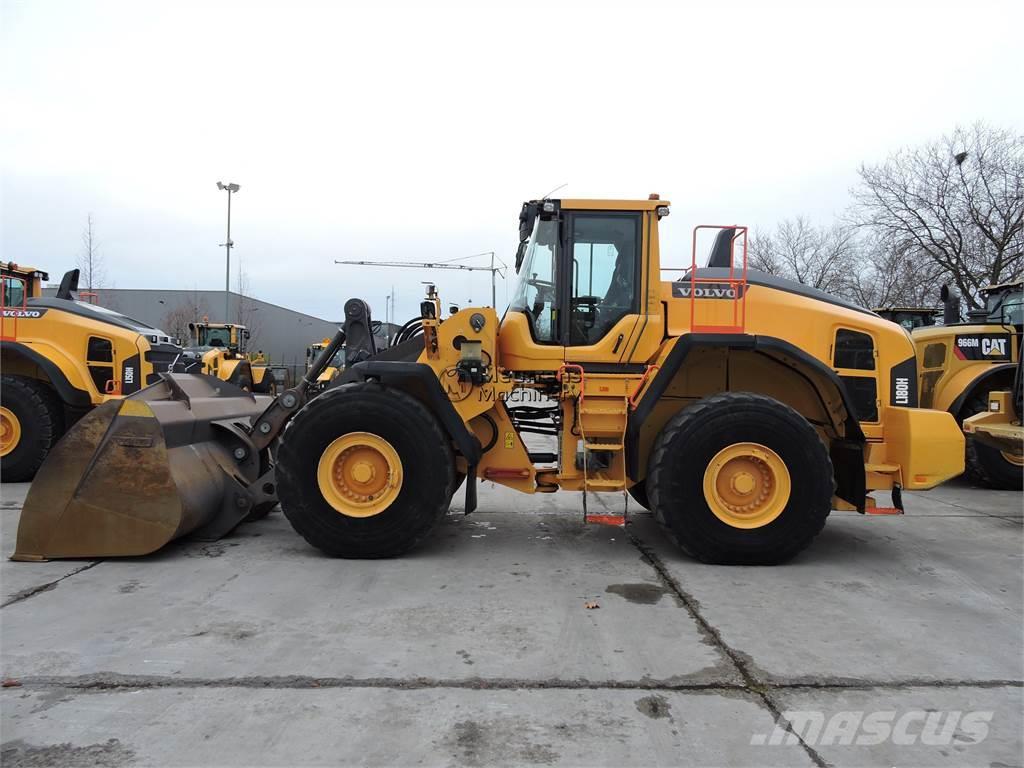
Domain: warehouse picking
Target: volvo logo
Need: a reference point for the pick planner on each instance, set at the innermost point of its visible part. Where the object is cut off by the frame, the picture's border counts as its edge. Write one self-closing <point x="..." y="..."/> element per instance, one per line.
<point x="31" y="314"/>
<point x="682" y="289"/>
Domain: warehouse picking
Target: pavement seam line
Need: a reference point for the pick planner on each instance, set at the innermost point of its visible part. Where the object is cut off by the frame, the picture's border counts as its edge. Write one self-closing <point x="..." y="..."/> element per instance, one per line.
<point x="105" y="682"/>
<point x="751" y="683"/>
<point x="25" y="594"/>
<point x="109" y="681"/>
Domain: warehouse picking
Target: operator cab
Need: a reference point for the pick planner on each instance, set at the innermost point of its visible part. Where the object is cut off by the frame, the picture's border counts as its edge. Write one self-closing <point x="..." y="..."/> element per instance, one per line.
<point x="18" y="284"/>
<point x="1004" y="304"/>
<point x="219" y="335"/>
<point x="579" y="270"/>
<point x="908" y="317"/>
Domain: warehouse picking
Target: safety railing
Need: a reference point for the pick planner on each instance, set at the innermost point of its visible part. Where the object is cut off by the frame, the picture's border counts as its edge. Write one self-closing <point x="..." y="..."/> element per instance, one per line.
<point x="714" y="291"/>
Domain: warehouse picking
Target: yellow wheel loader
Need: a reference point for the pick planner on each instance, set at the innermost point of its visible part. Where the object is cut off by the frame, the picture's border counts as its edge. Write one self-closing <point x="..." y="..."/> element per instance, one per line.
<point x="218" y="349"/>
<point x="962" y="364"/>
<point x="334" y="365"/>
<point x="61" y="357"/>
<point x="739" y="407"/>
<point x="1000" y="426"/>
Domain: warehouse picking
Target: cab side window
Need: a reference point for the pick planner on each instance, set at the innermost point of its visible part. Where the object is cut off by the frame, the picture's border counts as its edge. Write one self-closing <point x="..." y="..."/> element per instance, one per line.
<point x="605" y="252"/>
<point x="13" y="292"/>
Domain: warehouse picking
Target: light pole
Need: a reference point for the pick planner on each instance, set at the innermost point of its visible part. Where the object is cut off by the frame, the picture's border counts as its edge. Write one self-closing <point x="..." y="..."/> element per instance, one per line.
<point x="231" y="189"/>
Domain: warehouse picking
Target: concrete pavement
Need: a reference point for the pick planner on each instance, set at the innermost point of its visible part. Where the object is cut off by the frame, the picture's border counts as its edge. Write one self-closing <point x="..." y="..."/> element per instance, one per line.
<point x="479" y="648"/>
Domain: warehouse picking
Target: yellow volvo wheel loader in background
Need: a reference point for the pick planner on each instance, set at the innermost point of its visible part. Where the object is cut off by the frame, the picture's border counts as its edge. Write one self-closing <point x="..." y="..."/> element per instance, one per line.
<point x="59" y="358"/>
<point x="960" y="364"/>
<point x="739" y="407"/>
<point x="336" y="364"/>
<point x="218" y="349"/>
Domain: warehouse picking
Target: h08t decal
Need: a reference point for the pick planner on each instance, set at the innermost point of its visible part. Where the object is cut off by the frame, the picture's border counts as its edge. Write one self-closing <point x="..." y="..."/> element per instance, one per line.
<point x="903" y="384"/>
<point x="982" y="346"/>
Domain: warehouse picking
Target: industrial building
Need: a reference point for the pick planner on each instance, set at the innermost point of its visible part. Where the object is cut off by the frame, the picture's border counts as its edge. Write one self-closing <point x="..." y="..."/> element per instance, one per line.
<point x="281" y="333"/>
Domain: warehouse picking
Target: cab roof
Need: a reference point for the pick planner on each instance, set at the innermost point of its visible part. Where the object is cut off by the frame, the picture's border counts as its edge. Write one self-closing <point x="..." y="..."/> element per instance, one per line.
<point x="611" y="205"/>
<point x="1013" y="284"/>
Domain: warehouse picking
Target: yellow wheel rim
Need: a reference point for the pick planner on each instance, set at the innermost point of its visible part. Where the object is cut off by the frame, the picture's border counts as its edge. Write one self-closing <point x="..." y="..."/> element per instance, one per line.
<point x="360" y="474"/>
<point x="10" y="431"/>
<point x="746" y="485"/>
<point x="1013" y="458"/>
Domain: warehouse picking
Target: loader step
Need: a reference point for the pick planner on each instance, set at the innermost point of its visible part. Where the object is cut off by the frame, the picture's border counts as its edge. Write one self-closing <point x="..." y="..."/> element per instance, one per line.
<point x="604" y="482"/>
<point x="619" y="520"/>
<point x="599" y="446"/>
<point x="543" y="458"/>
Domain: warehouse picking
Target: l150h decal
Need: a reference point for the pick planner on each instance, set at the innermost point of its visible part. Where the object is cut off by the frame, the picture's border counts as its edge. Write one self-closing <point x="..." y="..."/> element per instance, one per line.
<point x="983" y="346"/>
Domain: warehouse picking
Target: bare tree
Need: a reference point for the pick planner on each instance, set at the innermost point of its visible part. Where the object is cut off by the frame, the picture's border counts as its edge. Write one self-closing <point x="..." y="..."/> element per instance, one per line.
<point x="888" y="276"/>
<point x="186" y="310"/>
<point x="90" y="261"/>
<point x="247" y="313"/>
<point x="957" y="203"/>
<point x="762" y="254"/>
<point x="822" y="257"/>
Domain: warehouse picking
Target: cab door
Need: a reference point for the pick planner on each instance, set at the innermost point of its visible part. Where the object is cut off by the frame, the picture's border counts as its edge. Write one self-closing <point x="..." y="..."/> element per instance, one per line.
<point x="602" y="260"/>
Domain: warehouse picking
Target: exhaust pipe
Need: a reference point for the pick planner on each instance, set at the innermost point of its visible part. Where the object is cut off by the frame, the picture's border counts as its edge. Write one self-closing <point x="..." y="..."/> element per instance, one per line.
<point x="950" y="305"/>
<point x="134" y="474"/>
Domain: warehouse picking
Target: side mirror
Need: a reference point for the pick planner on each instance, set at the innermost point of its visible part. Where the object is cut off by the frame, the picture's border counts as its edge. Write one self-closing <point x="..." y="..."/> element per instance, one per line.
<point x="520" y="255"/>
<point x="527" y="216"/>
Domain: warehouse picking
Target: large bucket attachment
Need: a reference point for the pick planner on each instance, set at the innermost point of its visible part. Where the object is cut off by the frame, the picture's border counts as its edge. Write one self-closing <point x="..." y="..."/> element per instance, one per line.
<point x="134" y="474"/>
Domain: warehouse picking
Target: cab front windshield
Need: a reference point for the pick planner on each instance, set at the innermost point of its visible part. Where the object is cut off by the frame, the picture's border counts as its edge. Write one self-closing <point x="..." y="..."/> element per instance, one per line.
<point x="214" y="337"/>
<point x="535" y="294"/>
<point x="1006" y="307"/>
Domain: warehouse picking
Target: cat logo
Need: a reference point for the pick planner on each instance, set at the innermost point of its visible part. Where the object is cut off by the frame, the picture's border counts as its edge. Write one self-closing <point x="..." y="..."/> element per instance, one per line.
<point x="983" y="346"/>
<point x="993" y="346"/>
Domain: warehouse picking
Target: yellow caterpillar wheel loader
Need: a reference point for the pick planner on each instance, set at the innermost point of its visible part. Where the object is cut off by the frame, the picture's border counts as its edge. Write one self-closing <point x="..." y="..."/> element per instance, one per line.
<point x="961" y="363"/>
<point x="60" y="357"/>
<point x="1000" y="426"/>
<point x="218" y="349"/>
<point x="739" y="407"/>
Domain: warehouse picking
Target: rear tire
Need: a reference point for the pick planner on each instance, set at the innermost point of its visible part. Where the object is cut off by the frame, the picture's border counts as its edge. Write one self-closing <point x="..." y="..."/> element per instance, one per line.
<point x="40" y="421"/>
<point x="426" y="464"/>
<point x="986" y="465"/>
<point x="692" y="442"/>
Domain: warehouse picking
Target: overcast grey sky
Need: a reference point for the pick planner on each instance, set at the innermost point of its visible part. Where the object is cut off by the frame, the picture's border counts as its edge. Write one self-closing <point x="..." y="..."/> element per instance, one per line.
<point x="413" y="131"/>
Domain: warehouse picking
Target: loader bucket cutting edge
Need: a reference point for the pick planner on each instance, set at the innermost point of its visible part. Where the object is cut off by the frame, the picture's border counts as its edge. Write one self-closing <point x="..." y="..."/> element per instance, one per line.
<point x="132" y="475"/>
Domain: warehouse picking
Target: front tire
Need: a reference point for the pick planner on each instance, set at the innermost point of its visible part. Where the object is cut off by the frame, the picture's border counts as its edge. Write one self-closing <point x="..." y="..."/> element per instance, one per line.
<point x="31" y="423"/>
<point x="986" y="465"/>
<point x="364" y="471"/>
<point x="740" y="478"/>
